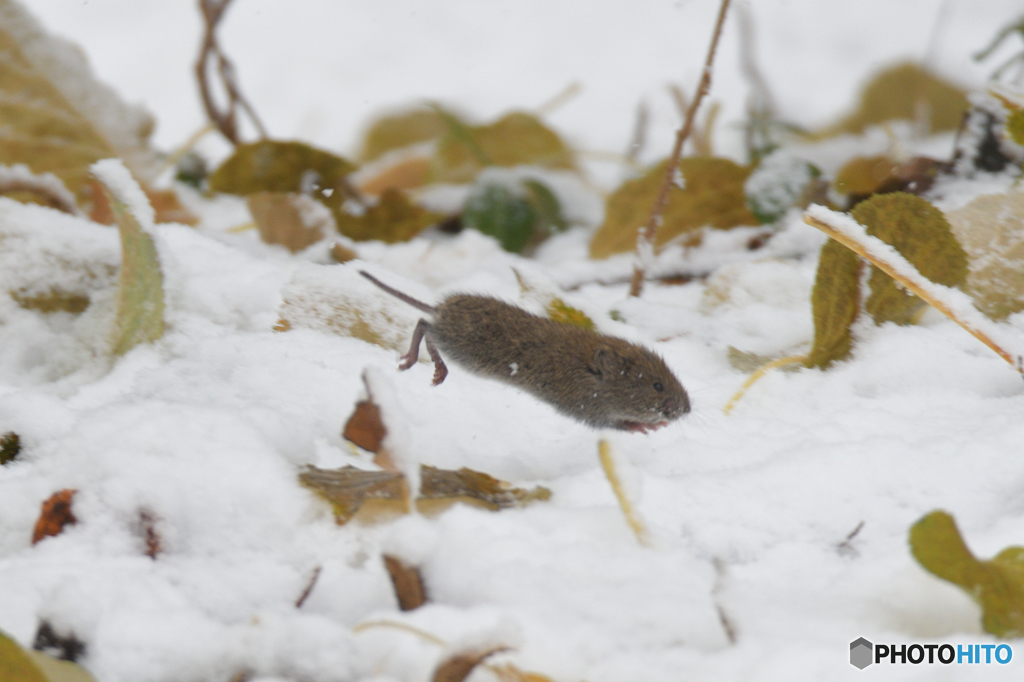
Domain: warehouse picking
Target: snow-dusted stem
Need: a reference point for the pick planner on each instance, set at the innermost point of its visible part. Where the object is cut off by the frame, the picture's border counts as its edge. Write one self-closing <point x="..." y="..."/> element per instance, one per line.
<point x="954" y="304"/>
<point x="647" y="233"/>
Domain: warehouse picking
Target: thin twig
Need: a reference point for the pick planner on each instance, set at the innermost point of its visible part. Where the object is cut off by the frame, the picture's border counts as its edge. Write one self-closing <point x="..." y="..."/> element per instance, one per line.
<point x="639" y="137"/>
<point x="309" y="587"/>
<point x="225" y="119"/>
<point x="646" y="234"/>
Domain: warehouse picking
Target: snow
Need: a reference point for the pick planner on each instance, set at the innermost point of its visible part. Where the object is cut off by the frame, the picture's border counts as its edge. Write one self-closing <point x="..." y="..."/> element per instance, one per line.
<point x="207" y="429"/>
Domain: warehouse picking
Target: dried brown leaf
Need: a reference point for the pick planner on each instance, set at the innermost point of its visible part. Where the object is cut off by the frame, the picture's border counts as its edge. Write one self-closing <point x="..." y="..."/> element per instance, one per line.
<point x="56" y="513"/>
<point x="348" y="488"/>
<point x="292" y="220"/>
<point x="457" y="667"/>
<point x="365" y="427"/>
<point x="408" y="583"/>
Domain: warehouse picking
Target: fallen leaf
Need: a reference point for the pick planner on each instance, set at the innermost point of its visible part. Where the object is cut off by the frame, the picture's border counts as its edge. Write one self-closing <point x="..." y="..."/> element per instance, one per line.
<point x="408" y="583"/>
<point x="364" y="427"/>
<point x="913" y="227"/>
<point x="348" y="488"/>
<point x="922" y="235"/>
<point x="57" y="117"/>
<point x="393" y="218"/>
<point x="403" y="129"/>
<point x="713" y="195"/>
<point x="510" y="673"/>
<point x="997" y="585"/>
<point x="56" y="513"/>
<point x="23" y="665"/>
<point x="10" y="447"/>
<point x="904" y="92"/>
<point x="292" y="220"/>
<point x="991" y="230"/>
<point x="146" y="529"/>
<point x="458" y="666"/>
<point x="140" y="299"/>
<point x="516" y="139"/>
<point x="52" y="301"/>
<point x="167" y="208"/>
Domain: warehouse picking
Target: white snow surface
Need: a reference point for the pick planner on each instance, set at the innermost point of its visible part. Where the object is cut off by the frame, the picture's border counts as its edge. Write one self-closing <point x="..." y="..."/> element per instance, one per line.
<point x="207" y="429"/>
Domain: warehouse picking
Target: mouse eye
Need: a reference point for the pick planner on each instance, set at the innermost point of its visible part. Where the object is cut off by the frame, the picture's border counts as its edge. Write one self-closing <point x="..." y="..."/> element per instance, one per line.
<point x="658" y="387"/>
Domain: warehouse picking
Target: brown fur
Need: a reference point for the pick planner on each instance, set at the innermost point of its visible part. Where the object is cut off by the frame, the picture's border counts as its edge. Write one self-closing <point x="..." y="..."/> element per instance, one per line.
<point x="603" y="381"/>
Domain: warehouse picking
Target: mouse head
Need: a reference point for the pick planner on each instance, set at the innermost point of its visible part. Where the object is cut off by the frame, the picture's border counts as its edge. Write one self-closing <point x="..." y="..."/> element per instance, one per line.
<point x="634" y="388"/>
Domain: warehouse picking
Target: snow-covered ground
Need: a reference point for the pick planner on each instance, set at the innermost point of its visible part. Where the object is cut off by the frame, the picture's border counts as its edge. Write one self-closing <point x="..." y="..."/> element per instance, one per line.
<point x="747" y="575"/>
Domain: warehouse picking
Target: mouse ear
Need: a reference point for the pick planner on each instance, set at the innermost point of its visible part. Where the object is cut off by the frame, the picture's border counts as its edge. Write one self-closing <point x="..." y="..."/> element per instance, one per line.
<point x="604" y="364"/>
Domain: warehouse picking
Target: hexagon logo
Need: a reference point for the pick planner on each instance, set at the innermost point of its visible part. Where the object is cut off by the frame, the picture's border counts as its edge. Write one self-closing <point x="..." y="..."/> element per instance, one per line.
<point x="861" y="653"/>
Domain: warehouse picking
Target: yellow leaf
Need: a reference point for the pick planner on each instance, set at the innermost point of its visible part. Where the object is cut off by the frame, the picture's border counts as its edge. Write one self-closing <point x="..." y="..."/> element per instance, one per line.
<point x="712" y="195"/>
<point x="516" y="139"/>
<point x="56" y="117"/>
<point x="904" y="91"/>
<point x="394" y="218"/>
<point x="401" y="130"/>
<point x="23" y="665"/>
<point x="996" y="585"/>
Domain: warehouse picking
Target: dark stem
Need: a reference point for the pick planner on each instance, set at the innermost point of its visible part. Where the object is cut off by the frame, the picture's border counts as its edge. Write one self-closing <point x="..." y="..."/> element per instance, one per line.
<point x="646" y="234"/>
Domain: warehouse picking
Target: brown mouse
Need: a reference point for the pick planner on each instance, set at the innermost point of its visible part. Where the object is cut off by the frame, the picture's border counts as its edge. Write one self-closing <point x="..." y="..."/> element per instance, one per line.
<point x="602" y="381"/>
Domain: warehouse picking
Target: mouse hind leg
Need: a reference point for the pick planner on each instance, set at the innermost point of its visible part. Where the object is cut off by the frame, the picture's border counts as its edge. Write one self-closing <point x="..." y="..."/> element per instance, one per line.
<point x="409" y="359"/>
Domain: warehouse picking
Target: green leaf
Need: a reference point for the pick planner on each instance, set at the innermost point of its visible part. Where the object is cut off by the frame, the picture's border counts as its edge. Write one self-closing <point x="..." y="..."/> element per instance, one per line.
<point x="712" y="195"/>
<point x="501" y="213"/>
<point x="996" y="585"/>
<point x="913" y="227"/>
<point x="394" y="218"/>
<point x="22" y="665"/>
<point x="140" y="297"/>
<point x="516" y="139"/>
<point x="922" y="235"/>
<point x="56" y="116"/>
<point x="835" y="304"/>
<point x="777" y="184"/>
<point x="401" y="130"/>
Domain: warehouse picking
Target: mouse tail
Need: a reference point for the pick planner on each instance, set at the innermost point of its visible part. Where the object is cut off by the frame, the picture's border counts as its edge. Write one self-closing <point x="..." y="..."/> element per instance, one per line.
<point x="398" y="294"/>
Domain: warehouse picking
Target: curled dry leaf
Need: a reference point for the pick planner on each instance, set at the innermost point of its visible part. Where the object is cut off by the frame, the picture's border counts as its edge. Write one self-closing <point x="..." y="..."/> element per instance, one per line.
<point x="56" y="513"/>
<point x="408" y="583"/>
<point x="458" y="666"/>
<point x="348" y="489"/>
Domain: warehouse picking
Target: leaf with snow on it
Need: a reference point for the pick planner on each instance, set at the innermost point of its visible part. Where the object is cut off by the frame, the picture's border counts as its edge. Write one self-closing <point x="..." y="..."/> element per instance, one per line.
<point x="57" y="117"/>
<point x="777" y="184"/>
<point x="337" y="300"/>
<point x="140" y="299"/>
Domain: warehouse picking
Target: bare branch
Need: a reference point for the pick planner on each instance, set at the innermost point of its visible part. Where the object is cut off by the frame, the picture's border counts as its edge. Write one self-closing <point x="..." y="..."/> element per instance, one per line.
<point x="646" y="234"/>
<point x="225" y="119"/>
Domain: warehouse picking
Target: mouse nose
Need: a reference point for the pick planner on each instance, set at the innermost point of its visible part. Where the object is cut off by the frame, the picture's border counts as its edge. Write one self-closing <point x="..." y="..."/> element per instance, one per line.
<point x="673" y="407"/>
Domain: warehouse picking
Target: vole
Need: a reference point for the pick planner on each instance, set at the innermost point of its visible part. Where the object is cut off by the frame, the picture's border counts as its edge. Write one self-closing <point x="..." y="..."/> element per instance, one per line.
<point x="602" y="381"/>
